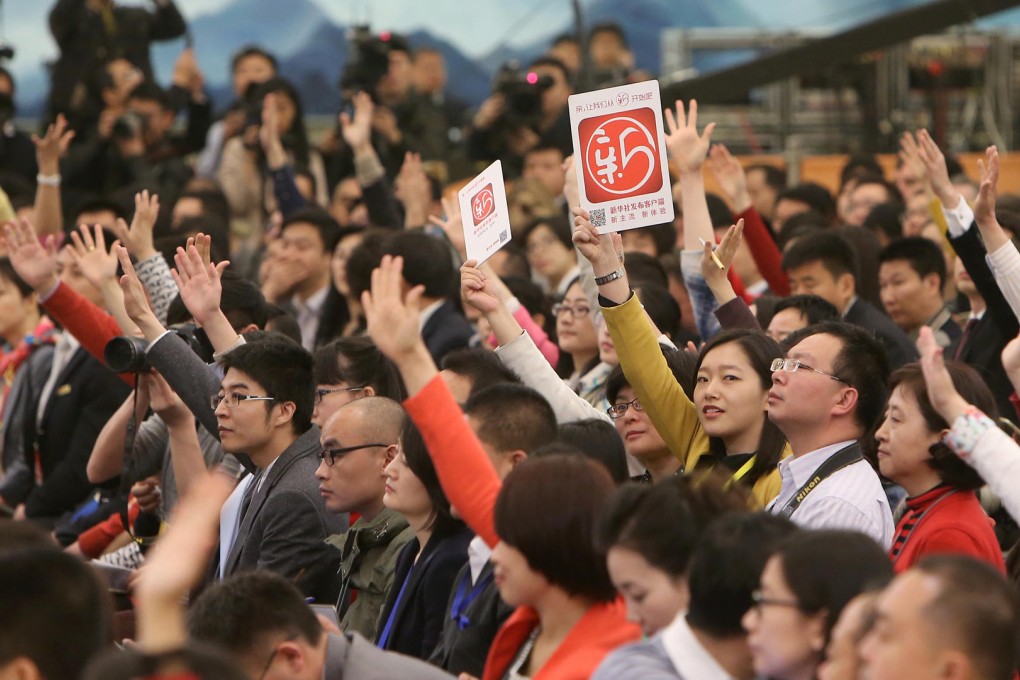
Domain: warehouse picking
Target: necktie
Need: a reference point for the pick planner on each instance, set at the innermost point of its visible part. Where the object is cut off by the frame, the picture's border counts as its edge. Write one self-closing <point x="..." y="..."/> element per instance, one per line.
<point x="971" y="322"/>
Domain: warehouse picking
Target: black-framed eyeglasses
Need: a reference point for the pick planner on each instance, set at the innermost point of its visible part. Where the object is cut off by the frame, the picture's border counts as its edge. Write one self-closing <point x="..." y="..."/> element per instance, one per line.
<point x="793" y="365"/>
<point x="323" y="391"/>
<point x="330" y="455"/>
<point x="617" y="411"/>
<point x="759" y="600"/>
<point x="576" y="312"/>
<point x="233" y="399"/>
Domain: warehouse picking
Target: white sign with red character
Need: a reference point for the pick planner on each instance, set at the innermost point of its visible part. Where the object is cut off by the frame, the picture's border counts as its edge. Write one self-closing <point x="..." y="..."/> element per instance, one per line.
<point x="620" y="154"/>
<point x="484" y="213"/>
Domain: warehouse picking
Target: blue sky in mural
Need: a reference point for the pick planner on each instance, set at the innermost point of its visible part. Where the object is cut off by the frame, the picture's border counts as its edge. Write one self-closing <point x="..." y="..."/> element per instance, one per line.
<point x="300" y="30"/>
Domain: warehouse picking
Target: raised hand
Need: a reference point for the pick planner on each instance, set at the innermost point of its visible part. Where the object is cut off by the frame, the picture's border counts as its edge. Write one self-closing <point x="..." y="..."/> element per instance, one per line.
<point x="935" y="170"/>
<point x="477" y="290"/>
<point x="686" y="147"/>
<point x="414" y="190"/>
<point x="199" y="283"/>
<point x="988" y="193"/>
<point x="52" y="146"/>
<point x="942" y="394"/>
<point x="730" y="175"/>
<point x="357" y="131"/>
<point x="97" y="264"/>
<point x="34" y="262"/>
<point x="166" y="403"/>
<point x="724" y="252"/>
<point x="269" y="134"/>
<point x="136" y="304"/>
<point x="602" y="250"/>
<point x="910" y="155"/>
<point x="452" y="224"/>
<point x="393" y="318"/>
<point x="138" y="237"/>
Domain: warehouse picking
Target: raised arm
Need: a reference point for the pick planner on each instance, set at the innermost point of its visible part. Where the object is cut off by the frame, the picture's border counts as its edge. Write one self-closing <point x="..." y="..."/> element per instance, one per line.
<point x="99" y="266"/>
<point x="49" y="149"/>
<point x="201" y="288"/>
<point x="464" y="469"/>
<point x="153" y="271"/>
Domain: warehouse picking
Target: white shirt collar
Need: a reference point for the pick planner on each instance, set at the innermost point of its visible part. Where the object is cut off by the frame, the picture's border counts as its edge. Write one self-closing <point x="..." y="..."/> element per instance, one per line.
<point x="688" y="656"/>
<point x="314" y="303"/>
<point x="800" y="468"/>
<point x="478" y="554"/>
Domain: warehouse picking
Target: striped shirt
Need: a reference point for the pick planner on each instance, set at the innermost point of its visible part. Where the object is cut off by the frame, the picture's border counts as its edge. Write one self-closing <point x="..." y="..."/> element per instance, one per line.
<point x="851" y="498"/>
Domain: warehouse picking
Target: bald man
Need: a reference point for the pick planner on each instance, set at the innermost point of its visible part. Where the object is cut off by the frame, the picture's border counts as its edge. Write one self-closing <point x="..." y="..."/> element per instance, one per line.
<point x="357" y="442"/>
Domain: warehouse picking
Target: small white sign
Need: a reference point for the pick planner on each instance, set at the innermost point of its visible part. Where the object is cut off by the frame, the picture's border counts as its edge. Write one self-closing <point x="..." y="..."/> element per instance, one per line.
<point x="484" y="213"/>
<point x="620" y="154"/>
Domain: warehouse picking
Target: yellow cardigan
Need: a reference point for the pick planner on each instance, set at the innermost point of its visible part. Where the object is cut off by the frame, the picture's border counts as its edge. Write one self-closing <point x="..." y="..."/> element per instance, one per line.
<point x="664" y="400"/>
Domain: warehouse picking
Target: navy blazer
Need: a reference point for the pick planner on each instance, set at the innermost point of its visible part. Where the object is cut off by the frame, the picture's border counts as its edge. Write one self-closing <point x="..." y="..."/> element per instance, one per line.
<point x="445" y="331"/>
<point x="898" y="346"/>
<point x="421" y="612"/>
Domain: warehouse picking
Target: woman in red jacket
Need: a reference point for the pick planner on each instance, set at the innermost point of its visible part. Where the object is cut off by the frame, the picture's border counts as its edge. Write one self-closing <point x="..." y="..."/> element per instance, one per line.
<point x="943" y="514"/>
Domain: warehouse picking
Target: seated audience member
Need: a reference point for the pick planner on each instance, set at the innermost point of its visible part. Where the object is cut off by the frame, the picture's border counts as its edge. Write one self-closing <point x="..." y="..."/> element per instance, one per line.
<point x="596" y="439"/>
<point x="539" y="522"/>
<point x="282" y="520"/>
<point x="342" y="310"/>
<point x="413" y="616"/>
<point x="551" y="254"/>
<point x="802" y="198"/>
<point x="56" y="614"/>
<point x="706" y="639"/>
<point x="197" y="661"/>
<point x="867" y="193"/>
<point x="544" y="163"/>
<point x="511" y="422"/>
<point x="428" y="264"/>
<point x="886" y="221"/>
<point x="824" y="264"/>
<point x="948" y="616"/>
<point x="943" y="513"/>
<point x="826" y="395"/>
<point x="470" y="370"/>
<point x="656" y="240"/>
<point x="842" y="657"/>
<point x="263" y="623"/>
<point x="300" y="274"/>
<point x="348" y="369"/>
<point x="799" y="311"/>
<point x="359" y="439"/>
<point x="805" y="585"/>
<point x="764" y="184"/>
<point x="648" y="533"/>
<point x="911" y="277"/>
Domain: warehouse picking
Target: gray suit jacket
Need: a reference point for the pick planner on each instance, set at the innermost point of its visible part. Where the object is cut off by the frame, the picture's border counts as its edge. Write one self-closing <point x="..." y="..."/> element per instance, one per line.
<point x="355" y="658"/>
<point x="287" y="523"/>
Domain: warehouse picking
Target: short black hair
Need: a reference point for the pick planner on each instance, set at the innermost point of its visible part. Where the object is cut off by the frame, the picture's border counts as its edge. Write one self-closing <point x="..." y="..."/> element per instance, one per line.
<point x="558" y="224"/>
<point x="8" y="274"/>
<point x="209" y="224"/>
<point x="977" y="606"/>
<point x="240" y="613"/>
<point x="834" y="252"/>
<point x="886" y="219"/>
<point x="663" y="236"/>
<point x="252" y="51"/>
<point x="241" y="302"/>
<point x="814" y="195"/>
<point x="681" y="364"/>
<point x="718" y="212"/>
<point x="800" y="224"/>
<point x="149" y="91"/>
<point x="200" y="661"/>
<point x="609" y="27"/>
<point x="283" y="368"/>
<point x="564" y="38"/>
<point x="644" y="268"/>
<point x="531" y="297"/>
<point x="96" y="205"/>
<point x="365" y="258"/>
<point x="511" y="417"/>
<point x="813" y="308"/>
<point x="213" y="200"/>
<point x="55" y="611"/>
<point x="279" y="321"/>
<point x="356" y="360"/>
<point x="923" y="255"/>
<point x="325" y="225"/>
<point x="515" y="263"/>
<point x="859" y="165"/>
<point x="661" y="307"/>
<point x="775" y="178"/>
<point x="427" y="262"/>
<point x="825" y="569"/>
<point x="482" y="367"/>
<point x="726" y="567"/>
<point x="862" y="362"/>
<point x="597" y="439"/>
<point x="547" y="509"/>
<point x="892" y="192"/>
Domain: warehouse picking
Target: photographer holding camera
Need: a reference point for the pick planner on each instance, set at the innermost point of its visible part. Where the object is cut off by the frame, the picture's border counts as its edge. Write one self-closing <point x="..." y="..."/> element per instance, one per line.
<point x="524" y="110"/>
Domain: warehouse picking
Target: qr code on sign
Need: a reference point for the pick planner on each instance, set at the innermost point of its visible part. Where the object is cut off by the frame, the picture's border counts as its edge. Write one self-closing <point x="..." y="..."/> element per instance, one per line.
<point x="502" y="236"/>
<point x="598" y="217"/>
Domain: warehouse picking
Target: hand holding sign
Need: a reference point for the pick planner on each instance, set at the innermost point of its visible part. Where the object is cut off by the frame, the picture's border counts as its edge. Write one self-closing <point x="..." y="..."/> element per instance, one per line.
<point x="486" y="217"/>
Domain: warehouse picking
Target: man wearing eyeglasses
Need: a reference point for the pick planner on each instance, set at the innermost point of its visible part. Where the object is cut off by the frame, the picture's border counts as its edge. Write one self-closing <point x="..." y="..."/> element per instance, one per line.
<point x="826" y="395"/>
<point x="263" y="410"/>
<point x="358" y="442"/>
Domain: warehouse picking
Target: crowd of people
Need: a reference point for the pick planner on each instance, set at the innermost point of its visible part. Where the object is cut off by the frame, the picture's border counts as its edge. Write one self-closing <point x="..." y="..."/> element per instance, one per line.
<point x="261" y="417"/>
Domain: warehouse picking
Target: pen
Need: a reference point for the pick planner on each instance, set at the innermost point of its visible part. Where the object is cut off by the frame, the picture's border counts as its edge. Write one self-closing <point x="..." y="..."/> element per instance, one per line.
<point x="715" y="258"/>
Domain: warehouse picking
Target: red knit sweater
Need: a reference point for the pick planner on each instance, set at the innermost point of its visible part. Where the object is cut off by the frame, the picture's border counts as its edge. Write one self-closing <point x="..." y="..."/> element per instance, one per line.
<point x="942" y="521"/>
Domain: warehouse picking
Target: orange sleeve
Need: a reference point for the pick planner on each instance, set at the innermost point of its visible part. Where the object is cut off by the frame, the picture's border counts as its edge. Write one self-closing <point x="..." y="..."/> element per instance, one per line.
<point x="85" y="321"/>
<point x="465" y="471"/>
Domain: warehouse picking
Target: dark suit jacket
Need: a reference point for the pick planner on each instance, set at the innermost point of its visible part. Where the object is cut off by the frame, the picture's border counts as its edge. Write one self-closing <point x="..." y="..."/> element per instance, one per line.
<point x="352" y="657"/>
<point x="898" y="346"/>
<point x="84" y="397"/>
<point x="445" y="331"/>
<point x="464" y="650"/>
<point x="982" y="347"/>
<point x="286" y="525"/>
<point x="421" y="611"/>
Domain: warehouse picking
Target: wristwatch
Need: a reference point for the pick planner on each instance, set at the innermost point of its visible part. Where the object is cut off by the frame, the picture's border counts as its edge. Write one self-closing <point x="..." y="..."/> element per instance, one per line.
<point x="612" y="276"/>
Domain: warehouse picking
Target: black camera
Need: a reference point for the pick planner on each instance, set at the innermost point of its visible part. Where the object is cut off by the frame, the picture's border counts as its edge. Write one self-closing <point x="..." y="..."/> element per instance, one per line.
<point x="126" y="353"/>
<point x="522" y="92"/>
<point x="368" y="60"/>
<point x="128" y="125"/>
